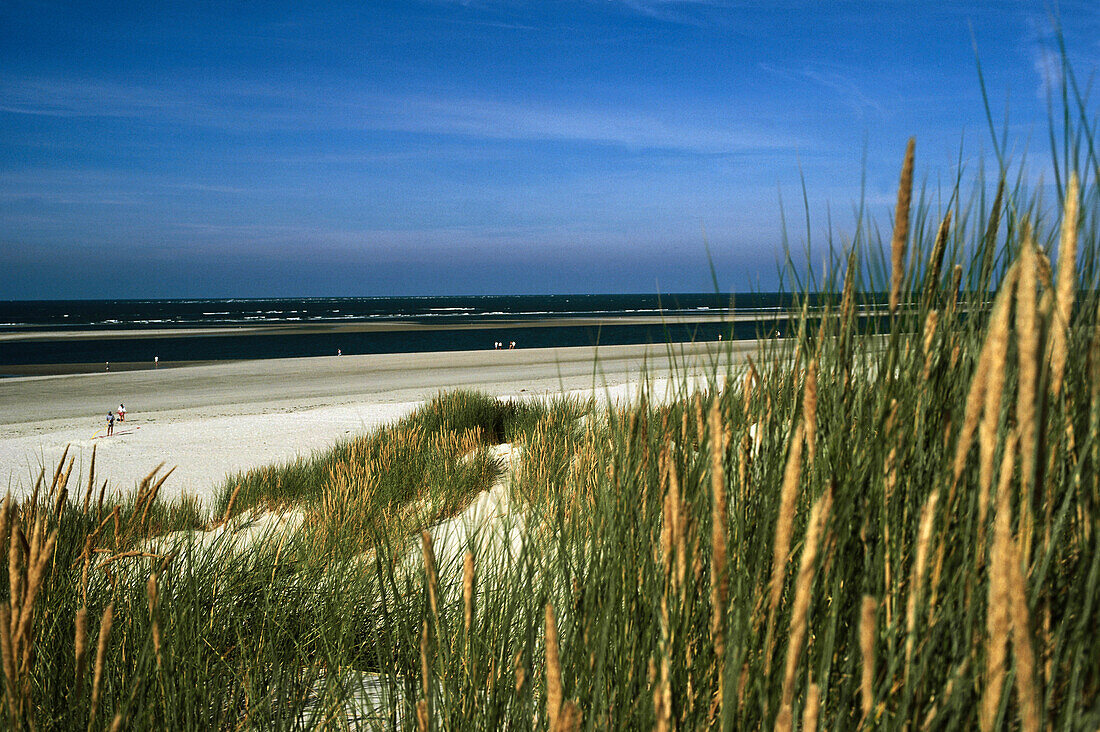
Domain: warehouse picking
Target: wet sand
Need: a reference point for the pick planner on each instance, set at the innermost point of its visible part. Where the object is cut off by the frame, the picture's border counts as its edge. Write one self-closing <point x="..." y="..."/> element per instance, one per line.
<point x="210" y="420"/>
<point x="63" y="369"/>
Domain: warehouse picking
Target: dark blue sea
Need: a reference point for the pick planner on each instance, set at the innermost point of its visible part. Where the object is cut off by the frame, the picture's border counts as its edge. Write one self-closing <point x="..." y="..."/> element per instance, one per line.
<point x="280" y="328"/>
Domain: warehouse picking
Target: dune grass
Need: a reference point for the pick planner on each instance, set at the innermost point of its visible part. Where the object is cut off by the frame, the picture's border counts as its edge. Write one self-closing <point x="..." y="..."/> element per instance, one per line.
<point x="884" y="522"/>
<point x="396" y="480"/>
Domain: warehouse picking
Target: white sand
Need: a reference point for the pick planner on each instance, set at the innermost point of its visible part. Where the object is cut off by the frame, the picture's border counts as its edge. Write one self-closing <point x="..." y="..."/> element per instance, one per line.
<point x="210" y="421"/>
<point x="203" y="450"/>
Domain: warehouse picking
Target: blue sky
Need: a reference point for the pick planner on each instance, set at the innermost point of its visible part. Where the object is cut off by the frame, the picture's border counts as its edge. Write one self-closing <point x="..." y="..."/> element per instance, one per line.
<point x="230" y="149"/>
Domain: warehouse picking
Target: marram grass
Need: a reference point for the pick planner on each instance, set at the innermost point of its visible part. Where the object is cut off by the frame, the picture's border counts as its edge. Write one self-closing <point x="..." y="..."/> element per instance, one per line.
<point x="883" y="523"/>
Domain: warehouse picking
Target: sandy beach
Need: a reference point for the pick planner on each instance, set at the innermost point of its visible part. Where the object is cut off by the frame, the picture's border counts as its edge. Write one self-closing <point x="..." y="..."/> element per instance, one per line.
<point x="211" y="420"/>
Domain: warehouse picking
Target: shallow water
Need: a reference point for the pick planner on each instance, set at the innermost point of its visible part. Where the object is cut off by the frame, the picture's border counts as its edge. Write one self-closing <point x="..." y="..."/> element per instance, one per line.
<point x="89" y="332"/>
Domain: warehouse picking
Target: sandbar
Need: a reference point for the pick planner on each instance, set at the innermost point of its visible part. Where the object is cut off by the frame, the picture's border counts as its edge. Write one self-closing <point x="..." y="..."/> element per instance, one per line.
<point x="22" y="335"/>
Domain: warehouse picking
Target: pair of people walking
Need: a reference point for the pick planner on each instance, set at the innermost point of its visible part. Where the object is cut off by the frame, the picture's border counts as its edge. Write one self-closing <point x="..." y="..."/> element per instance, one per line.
<point x="111" y="417"/>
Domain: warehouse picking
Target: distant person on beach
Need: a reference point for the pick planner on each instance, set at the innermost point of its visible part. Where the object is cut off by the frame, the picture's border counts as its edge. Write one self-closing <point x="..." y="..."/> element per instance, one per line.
<point x="511" y="345"/>
<point x="339" y="352"/>
<point x="110" y="423"/>
<point x="156" y="362"/>
<point x="121" y="412"/>
<point x="108" y="365"/>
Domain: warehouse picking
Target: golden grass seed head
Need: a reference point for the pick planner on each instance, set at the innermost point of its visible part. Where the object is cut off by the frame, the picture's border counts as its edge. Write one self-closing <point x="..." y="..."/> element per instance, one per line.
<point x="784" y="719"/>
<point x="785" y="522"/>
<point x="901" y="227"/>
<point x="80" y="645"/>
<point x="847" y="300"/>
<point x="1027" y="340"/>
<point x="930" y="323"/>
<point x="554" y="693"/>
<point x="678" y="521"/>
<point x="781" y="545"/>
<point x="100" y="658"/>
<point x="812" y="710"/>
<point x="1043" y="268"/>
<point x="809" y="409"/>
<point x="468" y="592"/>
<point x="10" y="671"/>
<point x="998" y="613"/>
<point x="520" y="671"/>
<point x="15" y="576"/>
<point x="994" y="356"/>
<point x="662" y="690"/>
<point x="935" y="261"/>
<point x="1065" y="287"/>
<point x="953" y="290"/>
<point x="989" y="240"/>
<point x="571" y="718"/>
<point x="152" y="593"/>
<point x="1027" y="690"/>
<point x="430" y="572"/>
<point x="232" y="501"/>
<point x="867" y="632"/>
<point x="799" y="627"/>
<point x="35" y="577"/>
<point x="920" y="566"/>
<point x="35" y="543"/>
<point x="992" y="352"/>
<point x="719" y="570"/>
<point x="422" y="720"/>
<point x="55" y="483"/>
<point x="91" y="481"/>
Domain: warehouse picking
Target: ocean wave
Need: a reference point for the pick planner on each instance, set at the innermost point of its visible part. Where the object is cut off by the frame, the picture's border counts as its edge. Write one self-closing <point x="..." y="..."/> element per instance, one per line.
<point x="534" y="312"/>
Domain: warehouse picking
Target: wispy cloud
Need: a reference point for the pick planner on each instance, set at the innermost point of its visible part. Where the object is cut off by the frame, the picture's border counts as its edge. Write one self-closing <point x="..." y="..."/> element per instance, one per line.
<point x="626" y="127"/>
<point x="497" y="24"/>
<point x="1048" y="67"/>
<point x="678" y="12"/>
<point x="681" y="12"/>
<point x="97" y="187"/>
<point x="1044" y="35"/>
<point x="80" y="98"/>
<point x="249" y="107"/>
<point x="836" y="80"/>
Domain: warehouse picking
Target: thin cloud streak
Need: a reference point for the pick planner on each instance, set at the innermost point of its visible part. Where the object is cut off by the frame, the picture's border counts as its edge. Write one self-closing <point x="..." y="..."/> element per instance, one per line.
<point x="832" y="79"/>
<point x="247" y="107"/>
